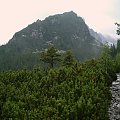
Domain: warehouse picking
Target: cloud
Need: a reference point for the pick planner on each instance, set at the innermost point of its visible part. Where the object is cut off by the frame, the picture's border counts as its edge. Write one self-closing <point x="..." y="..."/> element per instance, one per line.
<point x="115" y="10"/>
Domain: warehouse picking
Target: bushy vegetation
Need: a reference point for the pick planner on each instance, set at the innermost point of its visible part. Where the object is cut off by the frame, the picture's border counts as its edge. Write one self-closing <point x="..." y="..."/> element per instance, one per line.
<point x="71" y="91"/>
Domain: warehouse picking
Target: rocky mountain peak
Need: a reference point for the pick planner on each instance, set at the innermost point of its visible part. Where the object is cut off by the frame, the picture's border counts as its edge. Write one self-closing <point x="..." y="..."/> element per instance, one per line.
<point x="71" y="13"/>
<point x="65" y="31"/>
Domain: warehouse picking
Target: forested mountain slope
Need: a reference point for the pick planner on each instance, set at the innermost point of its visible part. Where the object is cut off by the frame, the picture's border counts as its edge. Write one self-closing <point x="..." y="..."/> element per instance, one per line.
<point x="64" y="31"/>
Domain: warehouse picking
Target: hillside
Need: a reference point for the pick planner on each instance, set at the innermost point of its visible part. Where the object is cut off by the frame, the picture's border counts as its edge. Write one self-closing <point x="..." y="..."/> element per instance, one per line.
<point x="64" y="31"/>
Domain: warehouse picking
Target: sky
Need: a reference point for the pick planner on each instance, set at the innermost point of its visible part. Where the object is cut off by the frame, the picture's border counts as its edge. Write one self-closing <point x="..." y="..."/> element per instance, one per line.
<point x="15" y="15"/>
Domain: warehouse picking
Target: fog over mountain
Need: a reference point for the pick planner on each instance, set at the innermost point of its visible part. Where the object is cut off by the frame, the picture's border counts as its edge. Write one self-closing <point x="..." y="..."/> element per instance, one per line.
<point x="103" y="38"/>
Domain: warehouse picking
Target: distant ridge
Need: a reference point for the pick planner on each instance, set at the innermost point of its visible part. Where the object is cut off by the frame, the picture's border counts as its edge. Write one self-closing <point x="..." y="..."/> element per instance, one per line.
<point x="103" y="38"/>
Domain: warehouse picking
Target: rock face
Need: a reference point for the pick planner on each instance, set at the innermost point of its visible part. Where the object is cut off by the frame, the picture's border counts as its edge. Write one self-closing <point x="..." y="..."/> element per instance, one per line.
<point x="114" y="110"/>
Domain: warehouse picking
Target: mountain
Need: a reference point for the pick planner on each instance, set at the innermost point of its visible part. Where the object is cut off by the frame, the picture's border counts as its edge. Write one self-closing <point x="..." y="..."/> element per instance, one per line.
<point x="103" y="38"/>
<point x="64" y="31"/>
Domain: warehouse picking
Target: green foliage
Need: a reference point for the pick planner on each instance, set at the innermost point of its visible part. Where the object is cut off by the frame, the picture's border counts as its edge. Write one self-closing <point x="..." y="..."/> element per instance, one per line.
<point x="51" y="56"/>
<point x="109" y="63"/>
<point x="113" y="50"/>
<point x="118" y="46"/>
<point x="68" y="59"/>
<point x="77" y="92"/>
<point x="106" y="57"/>
<point x="117" y="60"/>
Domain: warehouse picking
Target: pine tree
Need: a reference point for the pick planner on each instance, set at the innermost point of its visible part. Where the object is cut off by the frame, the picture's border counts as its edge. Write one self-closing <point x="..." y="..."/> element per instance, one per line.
<point x="68" y="59"/>
<point x="51" y="56"/>
<point x="118" y="46"/>
<point x="113" y="51"/>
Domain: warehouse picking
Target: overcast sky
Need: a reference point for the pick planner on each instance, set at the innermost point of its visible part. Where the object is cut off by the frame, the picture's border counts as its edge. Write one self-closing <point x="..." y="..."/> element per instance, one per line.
<point x="17" y="14"/>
